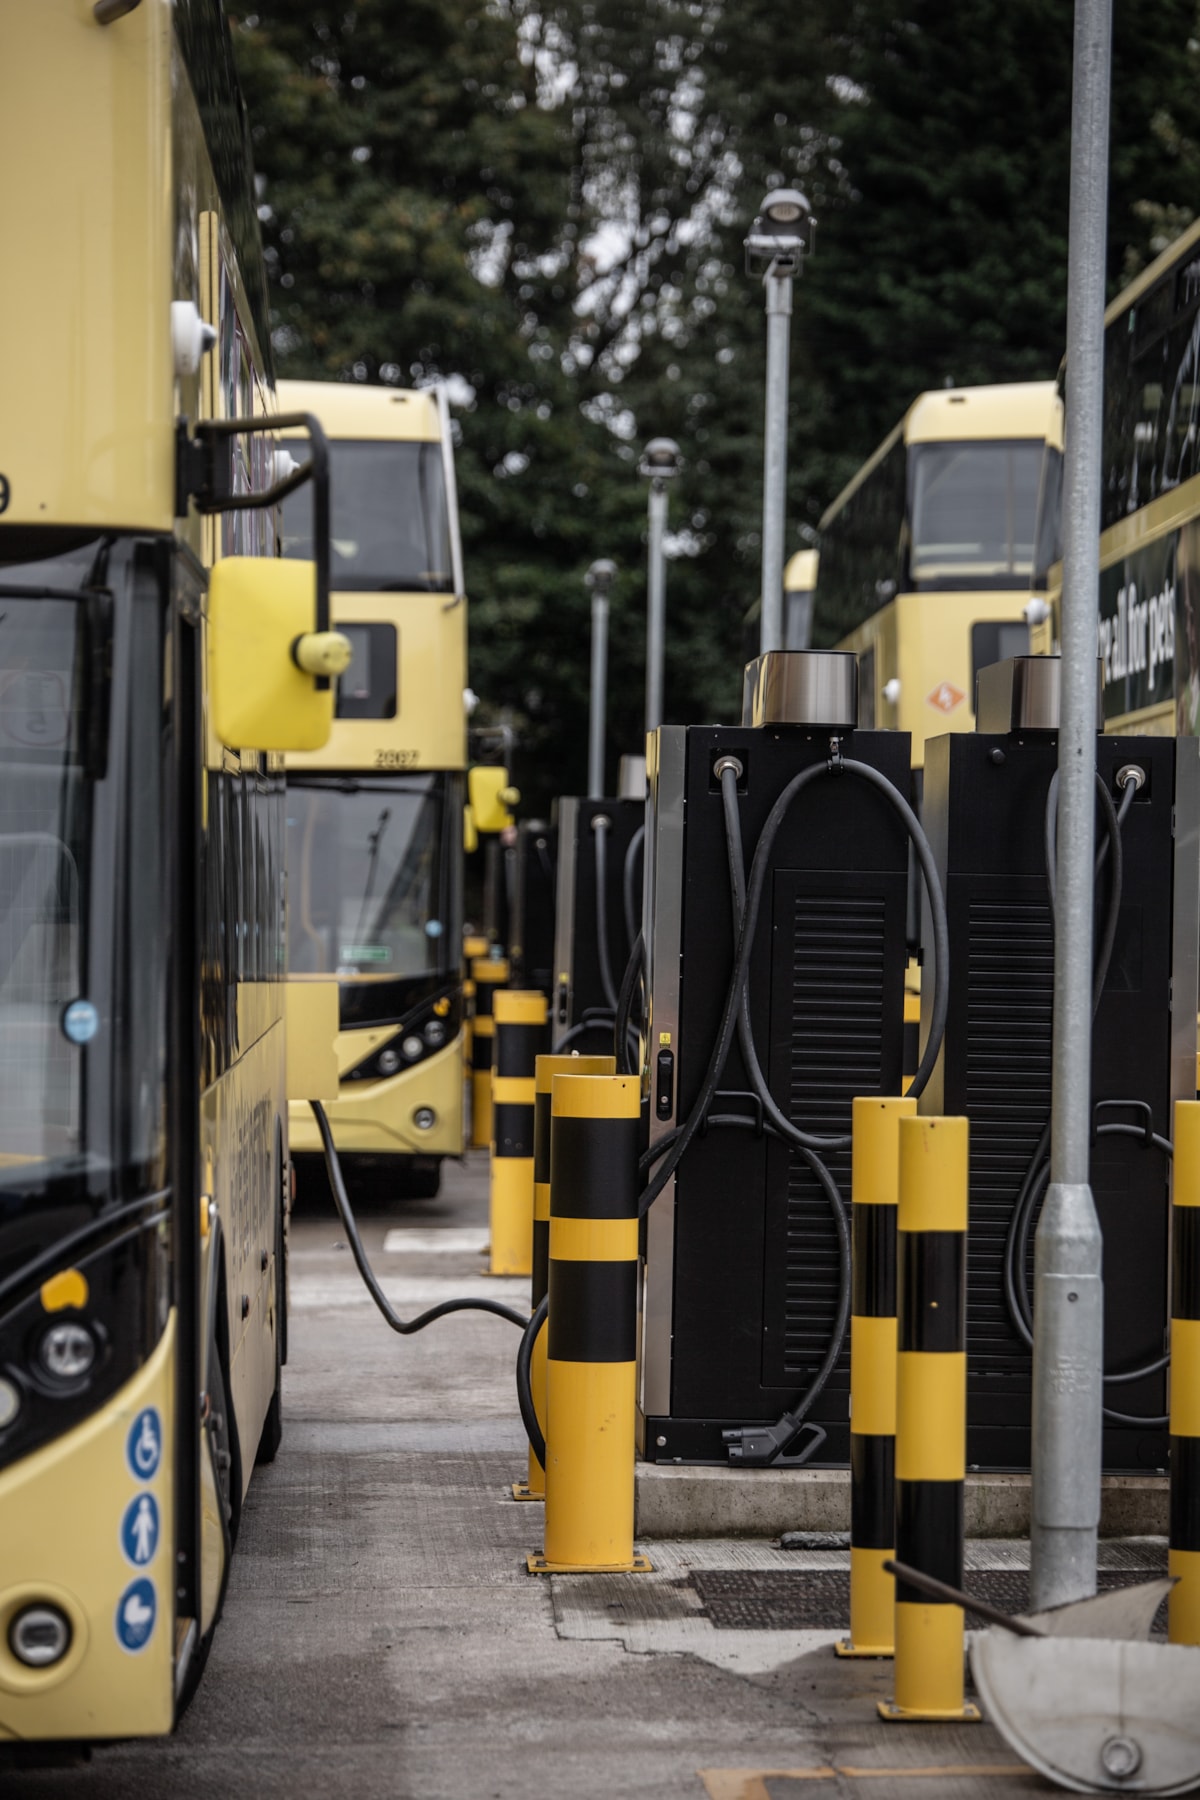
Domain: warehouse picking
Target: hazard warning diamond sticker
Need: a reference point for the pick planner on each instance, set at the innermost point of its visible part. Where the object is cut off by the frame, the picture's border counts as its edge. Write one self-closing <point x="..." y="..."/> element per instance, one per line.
<point x="945" y="697"/>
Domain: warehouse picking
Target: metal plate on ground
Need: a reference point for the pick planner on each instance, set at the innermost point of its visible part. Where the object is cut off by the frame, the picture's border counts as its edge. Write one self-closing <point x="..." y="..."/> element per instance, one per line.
<point x="819" y="1599"/>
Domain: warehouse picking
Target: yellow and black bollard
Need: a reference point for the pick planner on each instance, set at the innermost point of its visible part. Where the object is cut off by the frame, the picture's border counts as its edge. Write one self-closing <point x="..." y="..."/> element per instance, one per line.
<point x="592" y="1337"/>
<point x="876" y="1180"/>
<point x="931" y="1415"/>
<point x="1183" y="1555"/>
<point x="488" y="974"/>
<point x="547" y="1068"/>
<point x="520" y="1036"/>
<point x="473" y="947"/>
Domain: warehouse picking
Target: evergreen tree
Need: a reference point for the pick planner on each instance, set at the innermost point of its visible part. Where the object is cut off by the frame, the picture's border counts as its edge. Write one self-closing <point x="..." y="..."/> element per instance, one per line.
<point x="551" y="205"/>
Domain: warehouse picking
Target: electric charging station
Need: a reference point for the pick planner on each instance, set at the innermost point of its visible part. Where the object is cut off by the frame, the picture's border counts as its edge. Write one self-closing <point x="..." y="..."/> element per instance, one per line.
<point x="597" y="911"/>
<point x="531" y="949"/>
<point x="986" y="804"/>
<point x="744" y="1275"/>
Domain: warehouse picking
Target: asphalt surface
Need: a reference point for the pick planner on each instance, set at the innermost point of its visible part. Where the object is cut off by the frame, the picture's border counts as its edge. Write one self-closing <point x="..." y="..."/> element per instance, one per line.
<point x="382" y="1640"/>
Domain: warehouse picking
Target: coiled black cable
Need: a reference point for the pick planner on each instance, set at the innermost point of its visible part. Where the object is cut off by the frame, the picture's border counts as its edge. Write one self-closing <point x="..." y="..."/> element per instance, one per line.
<point x="835" y="767"/>
<point x="529" y="1418"/>
<point x="601" y="826"/>
<point x="782" y="1126"/>
<point x="346" y="1214"/>
<point x="624" y="1033"/>
<point x="595" y="1020"/>
<point x="1037" y="1174"/>
<point x="793" y="1418"/>
<point x="633" y="912"/>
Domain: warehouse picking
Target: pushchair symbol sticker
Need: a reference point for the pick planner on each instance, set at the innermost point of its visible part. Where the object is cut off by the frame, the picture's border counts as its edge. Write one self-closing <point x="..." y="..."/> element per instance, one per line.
<point x="143" y="1448"/>
<point x="136" y="1610"/>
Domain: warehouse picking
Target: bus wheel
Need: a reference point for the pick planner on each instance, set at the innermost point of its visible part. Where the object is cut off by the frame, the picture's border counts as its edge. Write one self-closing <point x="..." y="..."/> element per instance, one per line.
<point x="223" y="1442"/>
<point x="272" y="1431"/>
<point x="417" y="1178"/>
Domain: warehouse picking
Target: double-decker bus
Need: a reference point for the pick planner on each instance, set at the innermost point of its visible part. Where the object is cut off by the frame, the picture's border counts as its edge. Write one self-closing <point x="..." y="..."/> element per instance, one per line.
<point x="799" y="589"/>
<point x="1149" y="599"/>
<point x="375" y="819"/>
<point x="147" y="632"/>
<point x="927" y="554"/>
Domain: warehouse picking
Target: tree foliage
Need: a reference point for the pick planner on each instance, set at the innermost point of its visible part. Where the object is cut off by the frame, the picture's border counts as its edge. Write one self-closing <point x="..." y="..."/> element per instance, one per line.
<point x="549" y="204"/>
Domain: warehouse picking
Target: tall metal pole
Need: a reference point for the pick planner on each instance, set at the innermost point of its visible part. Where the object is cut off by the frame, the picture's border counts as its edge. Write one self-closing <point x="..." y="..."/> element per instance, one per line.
<point x="598" y="698"/>
<point x="656" y="604"/>
<point x="779" y="325"/>
<point x="1068" y="1291"/>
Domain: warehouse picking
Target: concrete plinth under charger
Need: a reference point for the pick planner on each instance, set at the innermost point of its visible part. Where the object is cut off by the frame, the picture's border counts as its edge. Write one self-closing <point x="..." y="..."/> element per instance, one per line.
<point x="678" y="1501"/>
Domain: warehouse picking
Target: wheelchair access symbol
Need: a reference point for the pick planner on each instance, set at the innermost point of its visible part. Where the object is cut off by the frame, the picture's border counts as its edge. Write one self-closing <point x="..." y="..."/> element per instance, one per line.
<point x="143" y="1447"/>
<point x="139" y="1530"/>
<point x="136" y="1611"/>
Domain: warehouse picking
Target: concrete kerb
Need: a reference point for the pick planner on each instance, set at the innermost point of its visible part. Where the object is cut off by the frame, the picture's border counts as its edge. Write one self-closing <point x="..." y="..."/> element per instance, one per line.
<point x="678" y="1501"/>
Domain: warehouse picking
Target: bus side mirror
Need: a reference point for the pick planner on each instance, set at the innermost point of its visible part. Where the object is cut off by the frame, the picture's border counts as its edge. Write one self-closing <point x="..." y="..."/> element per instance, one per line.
<point x="270" y="674"/>
<point x="470" y="834"/>
<point x="491" y="797"/>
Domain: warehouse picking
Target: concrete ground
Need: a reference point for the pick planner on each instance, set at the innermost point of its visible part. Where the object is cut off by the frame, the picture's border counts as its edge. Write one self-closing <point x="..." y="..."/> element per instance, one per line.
<point x="382" y="1640"/>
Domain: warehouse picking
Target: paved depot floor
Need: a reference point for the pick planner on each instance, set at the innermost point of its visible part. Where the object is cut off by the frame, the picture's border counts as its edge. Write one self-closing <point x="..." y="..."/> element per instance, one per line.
<point x="381" y="1639"/>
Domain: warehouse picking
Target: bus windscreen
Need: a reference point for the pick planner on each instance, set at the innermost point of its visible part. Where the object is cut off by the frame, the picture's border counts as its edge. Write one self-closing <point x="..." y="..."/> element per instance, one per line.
<point x="391" y="531"/>
<point x="366" y="878"/>
<point x="974" y="508"/>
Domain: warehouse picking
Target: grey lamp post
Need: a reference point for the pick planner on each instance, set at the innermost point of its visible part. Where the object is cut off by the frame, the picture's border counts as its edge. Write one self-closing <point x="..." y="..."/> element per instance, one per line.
<point x="659" y="465"/>
<point x="780" y="238"/>
<point x="598" y="580"/>
<point x="1068" y="1305"/>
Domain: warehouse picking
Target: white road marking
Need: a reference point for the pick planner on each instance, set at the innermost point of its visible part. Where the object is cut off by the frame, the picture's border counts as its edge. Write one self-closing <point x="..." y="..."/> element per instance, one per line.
<point x="436" y="1239"/>
<point x="311" y="1293"/>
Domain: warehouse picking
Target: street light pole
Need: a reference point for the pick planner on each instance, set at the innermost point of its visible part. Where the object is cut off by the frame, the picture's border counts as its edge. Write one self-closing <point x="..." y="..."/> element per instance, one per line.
<point x="659" y="465"/>
<point x="1068" y="1312"/>
<point x="778" y="241"/>
<point x="598" y="579"/>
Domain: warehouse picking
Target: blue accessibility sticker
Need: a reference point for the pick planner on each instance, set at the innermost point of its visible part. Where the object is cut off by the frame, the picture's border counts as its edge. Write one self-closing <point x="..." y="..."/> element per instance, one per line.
<point x="139" y="1530"/>
<point x="136" y="1612"/>
<point x="143" y="1447"/>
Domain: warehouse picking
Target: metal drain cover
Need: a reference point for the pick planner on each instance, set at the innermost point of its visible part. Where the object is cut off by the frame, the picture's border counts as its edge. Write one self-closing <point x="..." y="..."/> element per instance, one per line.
<point x="819" y="1599"/>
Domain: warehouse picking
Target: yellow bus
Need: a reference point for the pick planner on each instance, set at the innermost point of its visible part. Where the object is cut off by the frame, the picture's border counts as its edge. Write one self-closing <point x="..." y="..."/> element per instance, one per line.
<point x="1148" y="625"/>
<point x="927" y="554"/>
<point x="799" y="593"/>
<point x="375" y="819"/>
<point x="146" y="638"/>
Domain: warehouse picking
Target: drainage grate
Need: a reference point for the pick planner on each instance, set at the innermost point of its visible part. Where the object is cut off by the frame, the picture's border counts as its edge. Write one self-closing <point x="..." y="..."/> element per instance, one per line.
<point x="819" y="1599"/>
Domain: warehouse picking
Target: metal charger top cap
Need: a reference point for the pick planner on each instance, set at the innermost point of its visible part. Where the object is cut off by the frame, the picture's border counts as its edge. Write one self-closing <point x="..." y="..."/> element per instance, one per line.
<point x="631" y="778"/>
<point x="1024" y="693"/>
<point x="816" y="688"/>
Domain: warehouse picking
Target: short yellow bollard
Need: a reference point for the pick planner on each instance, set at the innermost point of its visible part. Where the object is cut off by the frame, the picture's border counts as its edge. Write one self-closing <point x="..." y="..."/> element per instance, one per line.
<point x="520" y="1034"/>
<point x="876" y="1181"/>
<point x="592" y="1338"/>
<point x="931" y="1415"/>
<point x="473" y="947"/>
<point x="547" y="1068"/>
<point x="488" y="974"/>
<point x="1183" y="1554"/>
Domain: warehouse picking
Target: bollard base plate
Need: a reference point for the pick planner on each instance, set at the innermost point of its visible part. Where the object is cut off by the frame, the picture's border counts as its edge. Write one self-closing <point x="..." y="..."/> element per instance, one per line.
<point x="521" y="1490"/>
<point x="967" y="1713"/>
<point x="847" y="1647"/>
<point x="537" y="1565"/>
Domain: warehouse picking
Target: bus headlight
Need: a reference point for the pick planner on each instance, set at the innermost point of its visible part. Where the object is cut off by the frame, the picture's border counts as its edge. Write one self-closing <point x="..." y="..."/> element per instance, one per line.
<point x="435" y="1034"/>
<point x="10" y="1402"/>
<point x="39" y="1636"/>
<point x="388" y="1061"/>
<point x="424" y="1118"/>
<point x="67" y="1352"/>
<point x="412" y="1047"/>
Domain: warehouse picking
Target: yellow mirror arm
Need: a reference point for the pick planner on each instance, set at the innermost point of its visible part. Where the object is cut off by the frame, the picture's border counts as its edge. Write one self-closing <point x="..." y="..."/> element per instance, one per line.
<point x="325" y="653"/>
